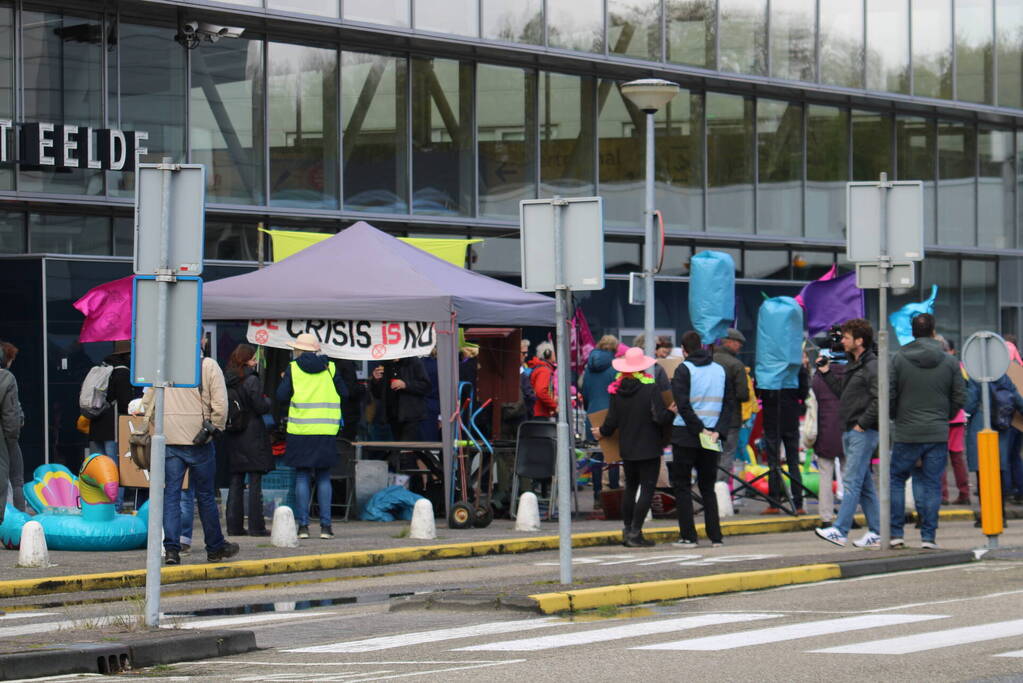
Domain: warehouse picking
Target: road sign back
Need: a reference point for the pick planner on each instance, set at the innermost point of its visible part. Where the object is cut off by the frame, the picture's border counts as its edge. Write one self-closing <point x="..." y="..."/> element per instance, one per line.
<point x="905" y="218"/>
<point x="184" y="325"/>
<point x="985" y="356"/>
<point x="185" y="218"/>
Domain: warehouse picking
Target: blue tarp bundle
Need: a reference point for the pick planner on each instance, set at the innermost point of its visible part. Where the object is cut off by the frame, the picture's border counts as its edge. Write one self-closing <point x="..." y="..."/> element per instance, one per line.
<point x="779" y="343"/>
<point x="711" y="294"/>
<point x="389" y="504"/>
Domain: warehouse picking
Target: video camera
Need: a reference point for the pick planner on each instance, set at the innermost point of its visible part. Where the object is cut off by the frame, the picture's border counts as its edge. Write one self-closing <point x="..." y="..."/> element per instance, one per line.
<point x="832" y="351"/>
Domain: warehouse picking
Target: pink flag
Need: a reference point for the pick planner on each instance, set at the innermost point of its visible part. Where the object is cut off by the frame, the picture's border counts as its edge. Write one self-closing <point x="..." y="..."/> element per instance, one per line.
<point x="581" y="342"/>
<point x="107" y="311"/>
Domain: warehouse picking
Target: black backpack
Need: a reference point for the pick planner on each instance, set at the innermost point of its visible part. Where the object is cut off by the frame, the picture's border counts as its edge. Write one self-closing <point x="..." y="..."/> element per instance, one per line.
<point x="1002" y="407"/>
<point x="237" y="414"/>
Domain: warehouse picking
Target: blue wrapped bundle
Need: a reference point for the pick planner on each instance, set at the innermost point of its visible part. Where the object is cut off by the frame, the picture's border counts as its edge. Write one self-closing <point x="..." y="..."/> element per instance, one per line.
<point x="389" y="504"/>
<point x="711" y="294"/>
<point x="779" y="343"/>
<point x="902" y="319"/>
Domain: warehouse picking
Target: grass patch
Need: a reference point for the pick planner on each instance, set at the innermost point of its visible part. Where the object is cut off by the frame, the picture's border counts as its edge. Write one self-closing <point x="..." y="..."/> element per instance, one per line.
<point x="606" y="611"/>
<point x="401" y="534"/>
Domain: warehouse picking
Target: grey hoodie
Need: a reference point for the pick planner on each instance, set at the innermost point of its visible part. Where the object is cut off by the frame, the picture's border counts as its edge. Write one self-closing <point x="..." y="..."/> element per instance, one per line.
<point x="927" y="390"/>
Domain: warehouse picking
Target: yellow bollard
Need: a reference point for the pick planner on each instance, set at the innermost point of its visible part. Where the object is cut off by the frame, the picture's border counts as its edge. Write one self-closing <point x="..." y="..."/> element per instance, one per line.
<point x="990" y="476"/>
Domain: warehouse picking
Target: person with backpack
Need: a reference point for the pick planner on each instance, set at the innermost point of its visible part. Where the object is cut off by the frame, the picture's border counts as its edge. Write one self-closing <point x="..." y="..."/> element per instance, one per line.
<point x="246" y="441"/>
<point x="1005" y="400"/>
<point x="105" y="395"/>
<point x="926" y="392"/>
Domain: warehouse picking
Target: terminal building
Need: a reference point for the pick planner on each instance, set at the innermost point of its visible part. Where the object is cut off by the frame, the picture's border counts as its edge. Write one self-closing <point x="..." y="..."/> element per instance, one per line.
<point x="434" y="118"/>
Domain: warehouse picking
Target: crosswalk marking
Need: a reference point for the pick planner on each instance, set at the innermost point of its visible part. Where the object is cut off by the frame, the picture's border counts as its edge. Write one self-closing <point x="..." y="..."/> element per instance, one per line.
<point x="1016" y="653"/>
<point x="632" y="630"/>
<point x="777" y="634"/>
<point x="932" y="640"/>
<point x="246" y="619"/>
<point x="24" y="615"/>
<point x="404" y="639"/>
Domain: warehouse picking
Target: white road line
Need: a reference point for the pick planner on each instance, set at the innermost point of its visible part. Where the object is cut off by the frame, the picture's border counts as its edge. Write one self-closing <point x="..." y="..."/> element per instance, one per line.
<point x="778" y="634"/>
<point x="405" y="639"/>
<point x="632" y="630"/>
<point x="29" y="629"/>
<point x="439" y="671"/>
<point x="943" y="602"/>
<point x="1017" y="653"/>
<point x="932" y="640"/>
<point x="370" y="663"/>
<point x="25" y="615"/>
<point x="247" y="619"/>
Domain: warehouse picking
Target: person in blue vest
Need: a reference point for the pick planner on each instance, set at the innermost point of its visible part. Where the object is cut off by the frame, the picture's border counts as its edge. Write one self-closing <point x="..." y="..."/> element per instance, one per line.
<point x="704" y="399"/>
<point x="314" y="390"/>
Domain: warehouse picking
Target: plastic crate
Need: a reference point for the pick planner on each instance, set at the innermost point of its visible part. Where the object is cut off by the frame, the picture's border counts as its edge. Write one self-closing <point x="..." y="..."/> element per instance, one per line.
<point x="282" y="478"/>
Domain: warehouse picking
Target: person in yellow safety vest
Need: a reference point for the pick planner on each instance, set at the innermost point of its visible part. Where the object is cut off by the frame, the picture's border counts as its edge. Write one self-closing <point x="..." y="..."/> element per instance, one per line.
<point x="314" y="390"/>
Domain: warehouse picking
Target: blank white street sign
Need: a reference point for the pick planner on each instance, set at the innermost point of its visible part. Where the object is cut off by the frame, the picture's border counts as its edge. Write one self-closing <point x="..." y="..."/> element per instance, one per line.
<point x="184" y="326"/>
<point x="905" y="219"/>
<point x="900" y="275"/>
<point x="582" y="229"/>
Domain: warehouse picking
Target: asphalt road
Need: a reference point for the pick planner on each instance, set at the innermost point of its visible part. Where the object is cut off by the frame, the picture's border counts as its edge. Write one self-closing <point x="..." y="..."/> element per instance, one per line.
<point x="947" y="624"/>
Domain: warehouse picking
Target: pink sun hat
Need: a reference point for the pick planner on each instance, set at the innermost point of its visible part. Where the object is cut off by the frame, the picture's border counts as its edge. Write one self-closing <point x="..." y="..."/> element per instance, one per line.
<point x="634" y="360"/>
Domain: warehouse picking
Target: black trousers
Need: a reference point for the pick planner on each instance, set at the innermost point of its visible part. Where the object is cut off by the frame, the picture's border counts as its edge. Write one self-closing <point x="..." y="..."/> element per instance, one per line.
<point x="236" y="506"/>
<point x="706" y="464"/>
<point x="776" y="433"/>
<point x="641" y="476"/>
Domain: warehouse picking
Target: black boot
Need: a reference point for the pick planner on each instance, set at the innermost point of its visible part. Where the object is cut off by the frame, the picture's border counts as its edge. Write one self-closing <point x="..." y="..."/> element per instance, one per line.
<point x="626" y="537"/>
<point x="633" y="539"/>
<point x="642" y="541"/>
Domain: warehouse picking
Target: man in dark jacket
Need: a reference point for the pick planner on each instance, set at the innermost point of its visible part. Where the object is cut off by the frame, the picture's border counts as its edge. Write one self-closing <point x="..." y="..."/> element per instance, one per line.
<point x="402" y="387"/>
<point x="10" y="429"/>
<point x="704" y="400"/>
<point x="727" y="356"/>
<point x="857" y="390"/>
<point x="927" y="390"/>
<point x="782" y="410"/>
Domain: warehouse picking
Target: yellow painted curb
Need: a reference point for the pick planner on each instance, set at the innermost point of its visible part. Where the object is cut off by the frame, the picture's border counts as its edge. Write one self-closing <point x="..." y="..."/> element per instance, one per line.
<point x="375" y="558"/>
<point x="654" y="591"/>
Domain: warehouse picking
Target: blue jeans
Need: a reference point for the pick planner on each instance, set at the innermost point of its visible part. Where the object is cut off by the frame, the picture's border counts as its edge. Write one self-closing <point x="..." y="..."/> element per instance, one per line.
<point x="303" y="499"/>
<point x="933" y="457"/>
<point x="1012" y="465"/>
<point x="857" y="482"/>
<point x="201" y="464"/>
<point x="187" y="514"/>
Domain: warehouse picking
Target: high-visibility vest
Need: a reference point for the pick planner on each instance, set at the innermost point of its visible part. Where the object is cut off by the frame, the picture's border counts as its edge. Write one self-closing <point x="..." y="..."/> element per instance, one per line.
<point x="706" y="393"/>
<point x="315" y="404"/>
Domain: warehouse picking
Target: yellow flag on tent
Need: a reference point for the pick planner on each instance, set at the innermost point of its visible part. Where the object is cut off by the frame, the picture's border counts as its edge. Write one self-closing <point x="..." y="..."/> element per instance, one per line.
<point x="288" y="242"/>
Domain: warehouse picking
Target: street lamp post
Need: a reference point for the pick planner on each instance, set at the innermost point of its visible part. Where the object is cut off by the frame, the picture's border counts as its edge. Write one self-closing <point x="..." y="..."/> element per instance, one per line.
<point x="649" y="95"/>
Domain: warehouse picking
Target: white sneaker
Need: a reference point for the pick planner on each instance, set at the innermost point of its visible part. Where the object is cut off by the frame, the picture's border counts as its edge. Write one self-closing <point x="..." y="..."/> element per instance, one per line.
<point x="832" y="535"/>
<point x="897" y="543"/>
<point x="930" y="545"/>
<point x="682" y="543"/>
<point x="869" y="540"/>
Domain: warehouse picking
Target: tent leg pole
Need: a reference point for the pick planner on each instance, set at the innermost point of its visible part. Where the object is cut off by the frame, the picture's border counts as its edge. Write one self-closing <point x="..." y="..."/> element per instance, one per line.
<point x="447" y="378"/>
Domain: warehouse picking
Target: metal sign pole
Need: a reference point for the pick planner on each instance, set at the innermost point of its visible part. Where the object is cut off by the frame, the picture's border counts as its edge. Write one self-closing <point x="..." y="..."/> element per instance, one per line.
<point x="564" y="460"/>
<point x="164" y="277"/>
<point x="884" y="448"/>
<point x="650" y="243"/>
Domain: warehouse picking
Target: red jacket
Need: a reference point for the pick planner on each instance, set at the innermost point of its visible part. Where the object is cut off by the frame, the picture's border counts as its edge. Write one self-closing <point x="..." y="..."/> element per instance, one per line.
<point x="542" y="381"/>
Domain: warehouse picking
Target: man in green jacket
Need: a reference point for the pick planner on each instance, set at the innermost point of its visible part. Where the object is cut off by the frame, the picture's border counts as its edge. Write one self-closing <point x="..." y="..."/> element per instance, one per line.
<point x="726" y="354"/>
<point x="927" y="390"/>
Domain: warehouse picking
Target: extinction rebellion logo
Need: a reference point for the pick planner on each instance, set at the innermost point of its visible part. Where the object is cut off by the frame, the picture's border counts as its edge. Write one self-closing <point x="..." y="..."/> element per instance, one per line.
<point x="62" y="146"/>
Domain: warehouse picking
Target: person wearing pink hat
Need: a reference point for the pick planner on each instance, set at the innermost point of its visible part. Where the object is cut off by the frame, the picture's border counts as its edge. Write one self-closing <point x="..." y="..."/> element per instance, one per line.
<point x="637" y="412"/>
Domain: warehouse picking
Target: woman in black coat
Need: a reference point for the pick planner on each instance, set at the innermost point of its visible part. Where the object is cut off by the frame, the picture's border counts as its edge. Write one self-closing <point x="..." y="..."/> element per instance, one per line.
<point x="248" y="446"/>
<point x="637" y="412"/>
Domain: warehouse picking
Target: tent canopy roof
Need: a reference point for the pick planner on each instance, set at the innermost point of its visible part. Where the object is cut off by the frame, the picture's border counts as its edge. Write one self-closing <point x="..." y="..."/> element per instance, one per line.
<point x="365" y="274"/>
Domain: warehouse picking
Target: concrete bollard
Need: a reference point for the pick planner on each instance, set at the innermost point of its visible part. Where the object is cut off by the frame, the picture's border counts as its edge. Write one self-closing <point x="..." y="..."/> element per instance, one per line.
<point x="33" y="552"/>
<point x="284" y="533"/>
<point x="527" y="516"/>
<point x="422" y="526"/>
<point x="724" y="497"/>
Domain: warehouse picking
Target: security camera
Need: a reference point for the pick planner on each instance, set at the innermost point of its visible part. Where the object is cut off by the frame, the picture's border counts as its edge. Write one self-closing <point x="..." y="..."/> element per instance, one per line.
<point x="232" y="32"/>
<point x="189" y="27"/>
<point x="214" y="32"/>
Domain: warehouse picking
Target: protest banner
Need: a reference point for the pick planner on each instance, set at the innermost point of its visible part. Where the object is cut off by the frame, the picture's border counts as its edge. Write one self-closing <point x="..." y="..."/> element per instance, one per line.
<point x="350" y="339"/>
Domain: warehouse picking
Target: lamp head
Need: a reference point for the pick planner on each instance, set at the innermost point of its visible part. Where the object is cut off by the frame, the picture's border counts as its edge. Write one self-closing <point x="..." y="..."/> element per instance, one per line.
<point x="649" y="94"/>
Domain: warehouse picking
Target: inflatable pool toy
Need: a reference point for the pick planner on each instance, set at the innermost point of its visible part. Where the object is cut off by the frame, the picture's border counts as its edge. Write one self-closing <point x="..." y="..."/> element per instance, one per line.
<point x="77" y="513"/>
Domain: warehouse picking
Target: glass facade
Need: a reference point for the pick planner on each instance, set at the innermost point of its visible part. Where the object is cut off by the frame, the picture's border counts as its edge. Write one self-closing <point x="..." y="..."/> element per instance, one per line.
<point x="887" y="51"/>
<point x="957" y="205"/>
<point x="302" y="106"/>
<point x="779" y="168"/>
<point x="621" y="131"/>
<point x="374" y="122"/>
<point x="320" y="8"/>
<point x="387" y="12"/>
<point x="996" y="189"/>
<point x="576" y="25"/>
<point x="916" y="148"/>
<point x="447" y="16"/>
<point x="871" y="145"/>
<point x="227" y="119"/>
<point x="841" y="42"/>
<point x="6" y="83"/>
<point x="742" y="36"/>
<point x="506" y="138"/>
<point x="827" y="171"/>
<point x="1009" y="51"/>
<point x="634" y="28"/>
<point x="567" y="135"/>
<point x="932" y="49"/>
<point x="691" y="32"/>
<point x="793" y="34"/>
<point x="729" y="163"/>
<point x="678" y="162"/>
<point x="974" y="45"/>
<point x="513" y="21"/>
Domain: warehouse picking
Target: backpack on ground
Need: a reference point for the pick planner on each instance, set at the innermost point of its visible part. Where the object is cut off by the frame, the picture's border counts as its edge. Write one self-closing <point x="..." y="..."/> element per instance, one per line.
<point x="1002" y="408"/>
<point x="92" y="400"/>
<point x="237" y="415"/>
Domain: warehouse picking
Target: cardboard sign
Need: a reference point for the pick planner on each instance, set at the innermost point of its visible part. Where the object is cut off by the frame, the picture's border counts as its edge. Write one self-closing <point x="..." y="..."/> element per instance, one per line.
<point x="670" y="364"/>
<point x="130" y="474"/>
<point x="1015" y="373"/>
<point x="608" y="444"/>
<point x="350" y="339"/>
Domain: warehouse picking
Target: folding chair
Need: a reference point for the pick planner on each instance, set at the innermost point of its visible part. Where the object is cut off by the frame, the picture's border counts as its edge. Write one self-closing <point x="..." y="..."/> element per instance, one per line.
<point x="536" y="455"/>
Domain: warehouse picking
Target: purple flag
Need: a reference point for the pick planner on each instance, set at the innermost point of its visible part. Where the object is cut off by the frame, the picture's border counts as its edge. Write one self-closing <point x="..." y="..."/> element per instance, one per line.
<point x="831" y="302"/>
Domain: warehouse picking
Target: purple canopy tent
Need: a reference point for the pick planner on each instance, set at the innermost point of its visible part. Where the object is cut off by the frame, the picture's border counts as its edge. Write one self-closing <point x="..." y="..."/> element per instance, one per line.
<point x="365" y="274"/>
